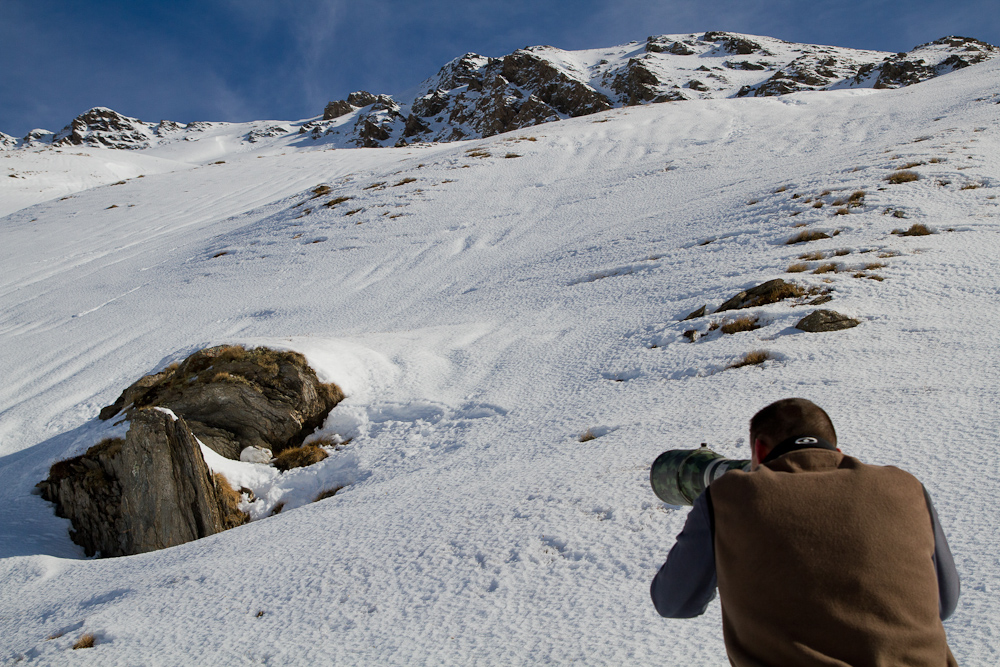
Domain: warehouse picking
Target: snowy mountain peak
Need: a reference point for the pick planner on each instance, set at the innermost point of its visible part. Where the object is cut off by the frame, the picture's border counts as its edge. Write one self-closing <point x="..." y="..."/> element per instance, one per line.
<point x="476" y="96"/>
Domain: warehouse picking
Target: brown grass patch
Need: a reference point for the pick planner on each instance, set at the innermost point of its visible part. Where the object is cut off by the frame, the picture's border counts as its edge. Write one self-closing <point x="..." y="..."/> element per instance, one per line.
<point x="812" y="256"/>
<point x="841" y="252"/>
<point x="352" y="212"/>
<point x="781" y="189"/>
<point x="916" y="229"/>
<point x="842" y="211"/>
<point x="871" y="266"/>
<point x="512" y="155"/>
<point x="337" y="200"/>
<point x="752" y="202"/>
<point x="857" y="195"/>
<point x="805" y="237"/>
<point x="904" y="176"/>
<point x="406" y="180"/>
<point x="838" y="202"/>
<point x="298" y="457"/>
<point x="588" y="435"/>
<point x="826" y="268"/>
<point x="751" y="359"/>
<point x="817" y="204"/>
<point x="910" y="165"/>
<point x="477" y="152"/>
<point x="329" y="493"/>
<point x="745" y="323"/>
<point x="379" y="185"/>
<point x="935" y="160"/>
<point x="798" y="267"/>
<point x="220" y="254"/>
<point x="229" y="502"/>
<point x="824" y="193"/>
<point x="85" y="641"/>
<point x="970" y="186"/>
<point x="320" y="190"/>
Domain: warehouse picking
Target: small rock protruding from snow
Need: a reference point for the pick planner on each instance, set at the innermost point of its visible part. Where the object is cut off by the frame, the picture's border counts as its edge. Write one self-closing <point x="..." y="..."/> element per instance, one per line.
<point x="254" y="454"/>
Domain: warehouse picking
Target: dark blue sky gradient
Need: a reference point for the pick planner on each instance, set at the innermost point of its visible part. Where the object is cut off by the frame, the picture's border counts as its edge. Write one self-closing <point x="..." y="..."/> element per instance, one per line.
<point x="238" y="60"/>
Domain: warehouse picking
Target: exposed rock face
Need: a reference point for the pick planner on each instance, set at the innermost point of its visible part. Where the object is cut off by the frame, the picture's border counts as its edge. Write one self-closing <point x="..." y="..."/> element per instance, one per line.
<point x="932" y="59"/>
<point x="826" y="320"/>
<point x="150" y="491"/>
<point x="233" y="398"/>
<point x="106" y="128"/>
<point x="361" y="98"/>
<point x="551" y="85"/>
<point x="337" y="109"/>
<point x="7" y="142"/>
<point x="733" y="43"/>
<point x="767" y="292"/>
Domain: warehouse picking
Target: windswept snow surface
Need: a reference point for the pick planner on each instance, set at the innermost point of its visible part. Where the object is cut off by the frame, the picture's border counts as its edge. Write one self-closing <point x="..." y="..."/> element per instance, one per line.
<point x="482" y="313"/>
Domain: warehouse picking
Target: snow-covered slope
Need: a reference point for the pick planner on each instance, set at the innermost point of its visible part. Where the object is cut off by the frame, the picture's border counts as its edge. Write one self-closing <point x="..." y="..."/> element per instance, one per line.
<point x="484" y="304"/>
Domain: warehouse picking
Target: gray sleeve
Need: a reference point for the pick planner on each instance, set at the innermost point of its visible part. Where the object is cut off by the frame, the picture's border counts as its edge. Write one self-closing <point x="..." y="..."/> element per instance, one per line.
<point x="949" y="587"/>
<point x="686" y="583"/>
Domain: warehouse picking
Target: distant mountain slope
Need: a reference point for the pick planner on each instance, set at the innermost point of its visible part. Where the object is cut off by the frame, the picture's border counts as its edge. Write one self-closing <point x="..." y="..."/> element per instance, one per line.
<point x="476" y="96"/>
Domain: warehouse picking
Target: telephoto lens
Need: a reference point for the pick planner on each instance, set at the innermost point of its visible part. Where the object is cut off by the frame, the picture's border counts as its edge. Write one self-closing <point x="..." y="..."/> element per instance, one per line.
<point x="678" y="476"/>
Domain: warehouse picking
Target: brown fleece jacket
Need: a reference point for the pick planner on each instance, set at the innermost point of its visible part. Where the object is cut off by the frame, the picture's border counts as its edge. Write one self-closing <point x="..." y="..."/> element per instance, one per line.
<point x="823" y="560"/>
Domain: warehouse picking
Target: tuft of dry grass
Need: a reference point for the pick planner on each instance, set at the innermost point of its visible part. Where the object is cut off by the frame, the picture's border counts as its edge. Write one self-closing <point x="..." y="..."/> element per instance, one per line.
<point x="353" y="211"/>
<point x="320" y="190"/>
<point x="85" y="641"/>
<point x="477" y="153"/>
<point x="373" y="186"/>
<point x="752" y="202"/>
<point x="796" y="196"/>
<point x="910" y="165"/>
<point x="871" y="266"/>
<point x="781" y="189"/>
<point x="798" y="267"/>
<point x="818" y="204"/>
<point x="337" y="200"/>
<point x="970" y="186"/>
<point x="824" y="193"/>
<point x="841" y="252"/>
<point x="408" y="179"/>
<point x="329" y="493"/>
<point x="842" y="211"/>
<point x="829" y="267"/>
<point x="806" y="236"/>
<point x="916" y="229"/>
<point x="935" y="160"/>
<point x="812" y="256"/>
<point x="857" y="196"/>
<point x="229" y="502"/>
<point x="751" y="359"/>
<point x="838" y="202"/>
<point x="745" y="323"/>
<point x="298" y="457"/>
<point x="588" y="435"/>
<point x="511" y="155"/>
<point x="897" y="177"/>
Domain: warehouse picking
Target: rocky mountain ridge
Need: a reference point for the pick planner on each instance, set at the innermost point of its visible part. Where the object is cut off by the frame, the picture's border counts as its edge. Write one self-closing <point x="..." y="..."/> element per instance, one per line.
<point x="477" y="96"/>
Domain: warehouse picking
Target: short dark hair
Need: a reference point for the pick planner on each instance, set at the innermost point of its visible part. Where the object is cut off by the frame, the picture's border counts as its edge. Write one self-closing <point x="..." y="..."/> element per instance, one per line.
<point x="792" y="417"/>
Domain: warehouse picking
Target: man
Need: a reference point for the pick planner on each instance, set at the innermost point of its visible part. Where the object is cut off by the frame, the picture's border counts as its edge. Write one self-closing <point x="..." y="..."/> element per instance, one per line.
<point x="819" y="559"/>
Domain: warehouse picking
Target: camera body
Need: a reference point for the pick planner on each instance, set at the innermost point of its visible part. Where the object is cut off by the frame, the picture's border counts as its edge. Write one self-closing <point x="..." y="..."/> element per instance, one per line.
<point x="678" y="476"/>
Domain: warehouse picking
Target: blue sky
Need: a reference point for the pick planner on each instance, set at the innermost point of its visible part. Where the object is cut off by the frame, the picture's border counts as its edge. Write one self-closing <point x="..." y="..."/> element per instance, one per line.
<point x="240" y="60"/>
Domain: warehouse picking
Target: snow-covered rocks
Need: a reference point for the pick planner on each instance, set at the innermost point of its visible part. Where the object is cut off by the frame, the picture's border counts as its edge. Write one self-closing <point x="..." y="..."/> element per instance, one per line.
<point x="106" y="128"/>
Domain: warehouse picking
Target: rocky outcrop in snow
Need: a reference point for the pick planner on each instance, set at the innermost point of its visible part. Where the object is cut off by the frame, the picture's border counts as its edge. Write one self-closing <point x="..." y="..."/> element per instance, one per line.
<point x="152" y="489"/>
<point x="234" y="398"/>
<point x="7" y="142"/>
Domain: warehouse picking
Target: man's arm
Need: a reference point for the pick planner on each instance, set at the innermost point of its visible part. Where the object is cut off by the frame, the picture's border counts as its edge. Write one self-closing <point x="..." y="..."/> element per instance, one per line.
<point x="686" y="583"/>
<point x="949" y="586"/>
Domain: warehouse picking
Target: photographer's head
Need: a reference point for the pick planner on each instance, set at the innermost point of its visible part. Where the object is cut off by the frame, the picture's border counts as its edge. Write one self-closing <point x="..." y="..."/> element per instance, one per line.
<point x="787" y="418"/>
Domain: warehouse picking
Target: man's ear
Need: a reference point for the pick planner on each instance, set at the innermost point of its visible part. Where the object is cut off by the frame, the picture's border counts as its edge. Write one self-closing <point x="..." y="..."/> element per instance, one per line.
<point x="760" y="450"/>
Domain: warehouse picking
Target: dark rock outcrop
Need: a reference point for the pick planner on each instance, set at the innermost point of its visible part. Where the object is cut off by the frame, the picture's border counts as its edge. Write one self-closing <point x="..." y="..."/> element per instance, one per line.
<point x="150" y="491"/>
<point x="550" y="85"/>
<point x="767" y="292"/>
<point x="233" y="398"/>
<point x="337" y="109"/>
<point x="735" y="43"/>
<point x="932" y="59"/>
<point x="7" y="142"/>
<point x="826" y="320"/>
<point x="361" y="98"/>
<point x="102" y="127"/>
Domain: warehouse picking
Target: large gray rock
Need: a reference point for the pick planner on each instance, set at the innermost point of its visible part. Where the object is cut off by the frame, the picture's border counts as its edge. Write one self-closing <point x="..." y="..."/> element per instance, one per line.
<point x="233" y="398"/>
<point x="150" y="491"/>
<point x="826" y="320"/>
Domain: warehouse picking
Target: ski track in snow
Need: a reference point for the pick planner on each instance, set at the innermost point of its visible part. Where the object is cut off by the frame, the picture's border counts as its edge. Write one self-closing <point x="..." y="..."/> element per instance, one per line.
<point x="481" y="317"/>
